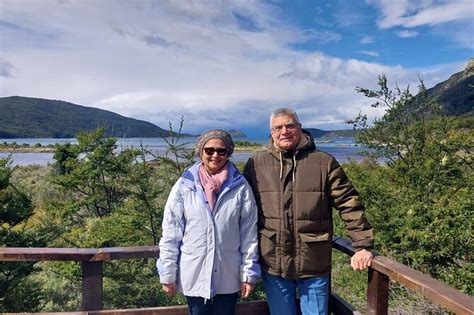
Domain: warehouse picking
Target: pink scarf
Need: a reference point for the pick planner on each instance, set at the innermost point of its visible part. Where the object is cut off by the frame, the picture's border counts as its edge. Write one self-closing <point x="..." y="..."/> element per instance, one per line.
<point x="212" y="183"/>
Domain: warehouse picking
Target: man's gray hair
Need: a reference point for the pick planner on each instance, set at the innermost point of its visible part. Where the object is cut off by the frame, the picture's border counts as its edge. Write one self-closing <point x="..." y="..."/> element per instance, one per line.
<point x="283" y="112"/>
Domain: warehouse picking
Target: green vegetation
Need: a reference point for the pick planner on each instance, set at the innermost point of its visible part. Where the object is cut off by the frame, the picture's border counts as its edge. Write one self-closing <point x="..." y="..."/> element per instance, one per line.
<point x="419" y="200"/>
<point x="247" y="146"/>
<point x="18" y="291"/>
<point x="24" y="117"/>
<point x="93" y="196"/>
<point x="465" y="121"/>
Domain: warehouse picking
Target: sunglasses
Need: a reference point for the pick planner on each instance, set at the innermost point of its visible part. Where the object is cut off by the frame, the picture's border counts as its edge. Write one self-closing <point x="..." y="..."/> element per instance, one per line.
<point x="220" y="151"/>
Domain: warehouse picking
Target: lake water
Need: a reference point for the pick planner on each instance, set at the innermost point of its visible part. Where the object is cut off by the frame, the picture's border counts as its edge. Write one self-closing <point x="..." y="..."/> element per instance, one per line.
<point x="342" y="149"/>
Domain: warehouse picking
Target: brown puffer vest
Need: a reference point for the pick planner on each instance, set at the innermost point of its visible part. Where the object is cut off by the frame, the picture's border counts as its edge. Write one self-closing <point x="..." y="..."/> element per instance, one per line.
<point x="295" y="194"/>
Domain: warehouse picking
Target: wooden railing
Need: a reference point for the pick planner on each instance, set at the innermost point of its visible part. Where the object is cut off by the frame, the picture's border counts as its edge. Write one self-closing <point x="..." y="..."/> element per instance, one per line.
<point x="92" y="260"/>
<point x="383" y="271"/>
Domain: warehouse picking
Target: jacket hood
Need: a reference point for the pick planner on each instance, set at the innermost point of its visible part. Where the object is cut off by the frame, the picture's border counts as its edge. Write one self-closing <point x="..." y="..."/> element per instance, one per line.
<point x="306" y="144"/>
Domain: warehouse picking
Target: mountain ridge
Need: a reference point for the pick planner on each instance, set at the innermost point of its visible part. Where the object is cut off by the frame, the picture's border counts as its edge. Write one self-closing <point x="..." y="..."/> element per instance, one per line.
<point x="456" y="94"/>
<point x="27" y="117"/>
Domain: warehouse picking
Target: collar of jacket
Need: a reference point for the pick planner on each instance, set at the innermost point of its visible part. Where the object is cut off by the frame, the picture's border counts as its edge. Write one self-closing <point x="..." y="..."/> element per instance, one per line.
<point x="306" y="144"/>
<point x="190" y="177"/>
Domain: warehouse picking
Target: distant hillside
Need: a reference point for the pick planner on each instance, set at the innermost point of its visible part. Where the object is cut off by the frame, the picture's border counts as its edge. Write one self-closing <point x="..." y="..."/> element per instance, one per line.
<point x="318" y="133"/>
<point x="24" y="117"/>
<point x="237" y="134"/>
<point x="456" y="95"/>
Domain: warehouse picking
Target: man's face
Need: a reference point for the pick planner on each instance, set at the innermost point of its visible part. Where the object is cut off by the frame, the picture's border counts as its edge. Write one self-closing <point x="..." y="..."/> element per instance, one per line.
<point x="286" y="133"/>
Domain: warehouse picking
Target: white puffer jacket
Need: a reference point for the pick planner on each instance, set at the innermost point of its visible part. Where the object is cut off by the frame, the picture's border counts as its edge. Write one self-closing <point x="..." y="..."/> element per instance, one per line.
<point x="208" y="253"/>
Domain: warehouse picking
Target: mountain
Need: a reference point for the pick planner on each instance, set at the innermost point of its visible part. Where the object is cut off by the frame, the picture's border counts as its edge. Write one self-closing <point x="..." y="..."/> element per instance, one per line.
<point x="456" y="94"/>
<point x="343" y="133"/>
<point x="237" y="134"/>
<point x="25" y="117"/>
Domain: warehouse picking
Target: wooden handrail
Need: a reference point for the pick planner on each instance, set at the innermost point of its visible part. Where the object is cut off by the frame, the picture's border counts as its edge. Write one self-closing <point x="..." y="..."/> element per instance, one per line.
<point x="77" y="254"/>
<point x="46" y="254"/>
<point x="381" y="272"/>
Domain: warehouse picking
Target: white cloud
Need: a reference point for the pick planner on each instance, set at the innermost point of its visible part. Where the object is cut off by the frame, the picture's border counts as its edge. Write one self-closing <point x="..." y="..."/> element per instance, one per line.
<point x="367" y="40"/>
<point x="6" y="68"/>
<point x="217" y="63"/>
<point x="407" y="34"/>
<point x="339" y="73"/>
<point x="369" y="53"/>
<point x="412" y="13"/>
<point x="455" y="17"/>
<point x="322" y="37"/>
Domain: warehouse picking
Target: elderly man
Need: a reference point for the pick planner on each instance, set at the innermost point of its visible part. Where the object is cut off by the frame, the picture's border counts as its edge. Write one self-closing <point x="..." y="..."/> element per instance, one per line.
<point x="296" y="186"/>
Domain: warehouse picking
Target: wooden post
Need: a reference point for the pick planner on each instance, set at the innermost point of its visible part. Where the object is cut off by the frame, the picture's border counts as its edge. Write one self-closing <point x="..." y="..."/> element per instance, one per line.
<point x="377" y="293"/>
<point x="92" y="285"/>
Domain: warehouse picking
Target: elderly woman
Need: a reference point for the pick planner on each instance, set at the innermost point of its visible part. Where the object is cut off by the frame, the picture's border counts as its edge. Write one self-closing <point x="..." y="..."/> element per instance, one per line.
<point x="209" y="249"/>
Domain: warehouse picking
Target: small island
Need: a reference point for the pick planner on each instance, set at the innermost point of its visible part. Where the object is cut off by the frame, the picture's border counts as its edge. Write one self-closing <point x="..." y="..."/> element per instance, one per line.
<point x="14" y="147"/>
<point x="242" y="146"/>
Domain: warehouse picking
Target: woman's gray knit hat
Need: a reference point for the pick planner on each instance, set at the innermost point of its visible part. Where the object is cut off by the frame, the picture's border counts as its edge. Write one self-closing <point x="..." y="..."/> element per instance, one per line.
<point x="214" y="134"/>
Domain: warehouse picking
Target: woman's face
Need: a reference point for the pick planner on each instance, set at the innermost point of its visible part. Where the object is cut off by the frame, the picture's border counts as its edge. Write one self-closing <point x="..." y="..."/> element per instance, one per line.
<point x="216" y="156"/>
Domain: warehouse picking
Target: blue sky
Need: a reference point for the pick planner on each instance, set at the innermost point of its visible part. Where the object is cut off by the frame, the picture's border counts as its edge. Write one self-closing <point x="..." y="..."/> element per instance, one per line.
<point x="228" y="64"/>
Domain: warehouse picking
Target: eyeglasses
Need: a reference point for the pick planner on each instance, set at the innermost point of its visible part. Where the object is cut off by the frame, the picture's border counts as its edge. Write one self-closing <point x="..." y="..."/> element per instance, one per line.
<point x="289" y="126"/>
<point x="220" y="151"/>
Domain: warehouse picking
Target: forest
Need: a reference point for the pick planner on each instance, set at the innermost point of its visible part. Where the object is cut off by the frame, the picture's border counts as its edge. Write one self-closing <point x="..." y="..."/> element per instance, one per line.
<point x="416" y="182"/>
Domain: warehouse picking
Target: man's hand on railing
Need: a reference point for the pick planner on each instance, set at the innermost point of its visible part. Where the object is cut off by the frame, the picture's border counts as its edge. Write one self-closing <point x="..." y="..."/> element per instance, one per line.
<point x="245" y="289"/>
<point x="361" y="260"/>
<point x="170" y="289"/>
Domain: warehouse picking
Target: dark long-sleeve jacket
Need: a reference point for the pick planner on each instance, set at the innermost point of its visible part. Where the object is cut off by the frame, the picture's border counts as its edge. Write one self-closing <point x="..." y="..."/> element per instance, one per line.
<point x="295" y="194"/>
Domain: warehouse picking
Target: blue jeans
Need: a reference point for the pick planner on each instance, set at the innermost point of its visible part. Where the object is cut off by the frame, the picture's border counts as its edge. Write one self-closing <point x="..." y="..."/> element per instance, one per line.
<point x="282" y="294"/>
<point x="219" y="304"/>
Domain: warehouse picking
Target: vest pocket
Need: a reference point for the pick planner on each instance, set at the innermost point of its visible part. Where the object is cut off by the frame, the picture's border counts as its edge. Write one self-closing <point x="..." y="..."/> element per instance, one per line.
<point x="267" y="242"/>
<point x="315" y="253"/>
<point x="314" y="237"/>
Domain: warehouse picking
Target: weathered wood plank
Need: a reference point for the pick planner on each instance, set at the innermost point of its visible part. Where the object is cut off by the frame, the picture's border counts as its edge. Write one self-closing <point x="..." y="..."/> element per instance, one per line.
<point x="243" y="308"/>
<point x="252" y="308"/>
<point x="77" y="254"/>
<point x="46" y="254"/>
<point x="165" y="310"/>
<point x="92" y="285"/>
<point x="135" y="252"/>
<point x="50" y="313"/>
<point x="343" y="244"/>
<point x="377" y="293"/>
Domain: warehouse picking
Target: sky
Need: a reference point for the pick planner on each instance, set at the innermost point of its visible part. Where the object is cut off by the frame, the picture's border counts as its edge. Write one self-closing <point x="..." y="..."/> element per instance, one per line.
<point x="229" y="64"/>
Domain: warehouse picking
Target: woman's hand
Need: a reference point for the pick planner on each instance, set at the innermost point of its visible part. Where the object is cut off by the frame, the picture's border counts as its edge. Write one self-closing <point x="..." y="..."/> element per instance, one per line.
<point x="170" y="288"/>
<point x="245" y="289"/>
